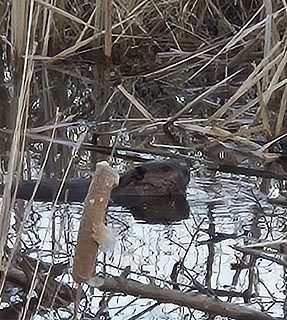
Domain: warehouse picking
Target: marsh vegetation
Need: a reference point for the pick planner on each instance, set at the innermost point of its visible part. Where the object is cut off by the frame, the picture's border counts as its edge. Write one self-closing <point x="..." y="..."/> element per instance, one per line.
<point x="126" y="81"/>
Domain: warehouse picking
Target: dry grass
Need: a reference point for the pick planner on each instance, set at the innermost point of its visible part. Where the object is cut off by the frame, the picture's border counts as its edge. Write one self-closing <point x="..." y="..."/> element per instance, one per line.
<point x="169" y="60"/>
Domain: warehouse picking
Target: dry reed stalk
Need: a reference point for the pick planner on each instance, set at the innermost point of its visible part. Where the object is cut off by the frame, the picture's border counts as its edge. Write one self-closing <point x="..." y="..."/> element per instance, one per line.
<point x="93" y="231"/>
<point x="136" y="103"/>
<point x="108" y="28"/>
<point x="28" y="207"/>
<point x="188" y="106"/>
<point x="222" y="135"/>
<point x="244" y="53"/>
<point x="34" y="282"/>
<point x="268" y="37"/>
<point x="131" y="8"/>
<point x="270" y="143"/>
<point x="262" y="111"/>
<point x="221" y="17"/>
<point x="65" y="14"/>
<point x="124" y="28"/>
<point x="17" y="144"/>
<point x="255" y="76"/>
<point x="22" y="81"/>
<point x="266" y="96"/>
<point x="19" y="22"/>
<point x="280" y="69"/>
<point x="237" y="38"/>
<point x="47" y="25"/>
<point x="73" y="49"/>
<point x="167" y="25"/>
<point x="281" y="114"/>
<point x="179" y="63"/>
<point x="99" y="21"/>
<point x="88" y="24"/>
<point x="74" y="154"/>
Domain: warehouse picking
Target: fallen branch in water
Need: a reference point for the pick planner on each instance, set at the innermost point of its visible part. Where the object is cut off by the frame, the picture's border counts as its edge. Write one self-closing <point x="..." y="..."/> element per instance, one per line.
<point x="258" y="254"/>
<point x="249" y="172"/>
<point x="191" y="300"/>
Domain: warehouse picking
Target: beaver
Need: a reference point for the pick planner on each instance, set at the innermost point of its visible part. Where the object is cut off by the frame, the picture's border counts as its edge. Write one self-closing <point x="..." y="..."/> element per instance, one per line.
<point x="158" y="178"/>
<point x="154" y="178"/>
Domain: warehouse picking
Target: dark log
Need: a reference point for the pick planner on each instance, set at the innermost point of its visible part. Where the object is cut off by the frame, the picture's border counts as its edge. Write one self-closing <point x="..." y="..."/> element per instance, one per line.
<point x="249" y="172"/>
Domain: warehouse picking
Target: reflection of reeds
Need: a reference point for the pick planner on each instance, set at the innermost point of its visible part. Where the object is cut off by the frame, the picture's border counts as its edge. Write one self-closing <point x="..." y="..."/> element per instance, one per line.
<point x="170" y="63"/>
<point x="21" y="87"/>
<point x="22" y="76"/>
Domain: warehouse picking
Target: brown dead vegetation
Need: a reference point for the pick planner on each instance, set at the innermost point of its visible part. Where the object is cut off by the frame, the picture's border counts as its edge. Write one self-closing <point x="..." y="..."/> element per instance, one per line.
<point x="159" y="77"/>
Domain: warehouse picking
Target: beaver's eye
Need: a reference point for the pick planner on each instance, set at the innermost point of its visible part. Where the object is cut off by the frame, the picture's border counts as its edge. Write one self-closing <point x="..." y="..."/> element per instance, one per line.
<point x="139" y="173"/>
<point x="165" y="168"/>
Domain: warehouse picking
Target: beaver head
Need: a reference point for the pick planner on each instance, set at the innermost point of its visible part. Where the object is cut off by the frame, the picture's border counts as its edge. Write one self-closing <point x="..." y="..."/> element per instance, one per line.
<point x="154" y="178"/>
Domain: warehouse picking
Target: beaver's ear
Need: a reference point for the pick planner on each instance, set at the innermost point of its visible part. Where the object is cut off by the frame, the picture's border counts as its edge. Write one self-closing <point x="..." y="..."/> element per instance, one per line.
<point x="139" y="173"/>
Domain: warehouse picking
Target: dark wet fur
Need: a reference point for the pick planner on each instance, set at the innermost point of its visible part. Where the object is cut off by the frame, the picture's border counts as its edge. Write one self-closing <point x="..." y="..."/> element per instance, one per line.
<point x="153" y="178"/>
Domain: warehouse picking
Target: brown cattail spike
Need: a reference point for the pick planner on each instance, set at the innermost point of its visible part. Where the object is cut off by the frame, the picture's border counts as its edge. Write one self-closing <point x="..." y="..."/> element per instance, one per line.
<point x="93" y="231"/>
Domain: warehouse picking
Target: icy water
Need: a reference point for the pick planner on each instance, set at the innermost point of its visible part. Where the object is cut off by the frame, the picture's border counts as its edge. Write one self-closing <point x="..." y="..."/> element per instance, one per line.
<point x="225" y="211"/>
<point x="193" y="255"/>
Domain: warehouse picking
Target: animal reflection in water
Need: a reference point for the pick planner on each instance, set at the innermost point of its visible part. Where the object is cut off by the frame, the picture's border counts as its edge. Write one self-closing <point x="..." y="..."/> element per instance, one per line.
<point x="154" y="191"/>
